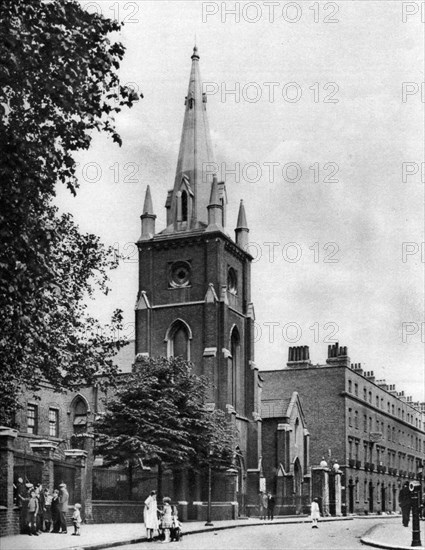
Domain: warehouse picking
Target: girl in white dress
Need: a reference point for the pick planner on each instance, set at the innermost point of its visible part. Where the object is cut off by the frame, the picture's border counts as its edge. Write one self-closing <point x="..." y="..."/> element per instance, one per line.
<point x="315" y="513"/>
<point x="150" y="515"/>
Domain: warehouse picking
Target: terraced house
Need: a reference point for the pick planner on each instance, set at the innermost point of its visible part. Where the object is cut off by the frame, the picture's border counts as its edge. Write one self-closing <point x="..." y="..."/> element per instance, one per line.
<point x="365" y="438"/>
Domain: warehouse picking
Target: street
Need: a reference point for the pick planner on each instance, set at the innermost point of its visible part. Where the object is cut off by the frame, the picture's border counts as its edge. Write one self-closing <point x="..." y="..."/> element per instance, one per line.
<point x="336" y="535"/>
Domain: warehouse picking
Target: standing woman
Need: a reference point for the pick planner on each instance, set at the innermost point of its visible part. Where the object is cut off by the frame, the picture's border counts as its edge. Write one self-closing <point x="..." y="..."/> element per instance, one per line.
<point x="150" y="515"/>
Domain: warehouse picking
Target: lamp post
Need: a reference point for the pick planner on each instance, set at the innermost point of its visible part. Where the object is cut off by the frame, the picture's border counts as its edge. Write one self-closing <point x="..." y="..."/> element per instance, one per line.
<point x="209" y="522"/>
<point x="415" y="488"/>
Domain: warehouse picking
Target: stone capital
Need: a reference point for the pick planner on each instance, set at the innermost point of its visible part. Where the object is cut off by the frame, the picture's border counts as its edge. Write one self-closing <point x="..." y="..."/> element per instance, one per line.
<point x="43" y="445"/>
<point x="75" y="453"/>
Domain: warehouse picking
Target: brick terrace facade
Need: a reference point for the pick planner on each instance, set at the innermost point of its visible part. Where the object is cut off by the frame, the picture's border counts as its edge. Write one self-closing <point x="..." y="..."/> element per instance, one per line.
<point x="375" y="434"/>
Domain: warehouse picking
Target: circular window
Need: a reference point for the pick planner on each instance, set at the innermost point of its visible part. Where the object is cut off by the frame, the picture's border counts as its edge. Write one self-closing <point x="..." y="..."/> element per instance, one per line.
<point x="232" y="280"/>
<point x="180" y="274"/>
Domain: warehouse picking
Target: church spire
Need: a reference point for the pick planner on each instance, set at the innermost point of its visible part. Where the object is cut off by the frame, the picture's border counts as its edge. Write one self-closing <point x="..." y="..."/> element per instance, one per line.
<point x="215" y="208"/>
<point x="147" y="206"/>
<point x="148" y="217"/>
<point x="241" y="231"/>
<point x="192" y="185"/>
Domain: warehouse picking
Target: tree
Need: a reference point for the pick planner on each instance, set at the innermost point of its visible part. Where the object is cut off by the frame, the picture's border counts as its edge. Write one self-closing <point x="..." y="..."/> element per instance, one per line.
<point x="159" y="415"/>
<point x="58" y="83"/>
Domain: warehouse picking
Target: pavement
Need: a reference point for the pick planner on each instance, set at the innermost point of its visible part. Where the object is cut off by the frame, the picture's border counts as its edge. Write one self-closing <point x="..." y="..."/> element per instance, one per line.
<point x="384" y="533"/>
<point x="392" y="535"/>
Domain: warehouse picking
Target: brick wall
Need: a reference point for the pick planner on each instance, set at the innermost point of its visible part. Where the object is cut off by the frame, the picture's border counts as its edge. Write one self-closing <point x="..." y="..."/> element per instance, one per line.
<point x="320" y="392"/>
<point x="9" y="522"/>
<point x="117" y="512"/>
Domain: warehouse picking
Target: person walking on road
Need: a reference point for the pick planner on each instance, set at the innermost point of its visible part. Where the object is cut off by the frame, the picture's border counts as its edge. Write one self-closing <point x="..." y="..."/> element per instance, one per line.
<point x="315" y="513"/>
<point x="405" y="501"/>
<point x="63" y="506"/>
<point x="150" y="516"/>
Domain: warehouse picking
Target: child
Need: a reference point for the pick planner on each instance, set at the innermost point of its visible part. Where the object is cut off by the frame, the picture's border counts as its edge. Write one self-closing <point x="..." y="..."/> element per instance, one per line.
<point x="32" y="512"/>
<point x="76" y="519"/>
<point x="167" y="518"/>
<point x="175" y="531"/>
<point x="47" y="510"/>
<point x="315" y="513"/>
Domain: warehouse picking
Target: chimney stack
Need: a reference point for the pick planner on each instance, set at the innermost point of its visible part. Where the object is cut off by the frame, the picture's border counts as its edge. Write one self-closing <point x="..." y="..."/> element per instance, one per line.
<point x="338" y="356"/>
<point x="298" y="356"/>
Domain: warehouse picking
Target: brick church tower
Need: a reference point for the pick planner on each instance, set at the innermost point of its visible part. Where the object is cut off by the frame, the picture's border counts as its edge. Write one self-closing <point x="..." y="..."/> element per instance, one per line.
<point x="194" y="299"/>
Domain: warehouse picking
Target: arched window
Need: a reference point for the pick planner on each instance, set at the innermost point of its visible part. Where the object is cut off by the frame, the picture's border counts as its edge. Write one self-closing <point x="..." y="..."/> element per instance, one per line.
<point x="232" y="281"/>
<point x="184" y="200"/>
<point x="80" y="415"/>
<point x="178" y="340"/>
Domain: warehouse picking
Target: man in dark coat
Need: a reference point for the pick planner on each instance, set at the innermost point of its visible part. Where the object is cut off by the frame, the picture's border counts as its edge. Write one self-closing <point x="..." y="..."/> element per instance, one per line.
<point x="56" y="519"/>
<point x="21" y="499"/>
<point x="271" y="502"/>
<point x="405" y="501"/>
<point x="63" y="506"/>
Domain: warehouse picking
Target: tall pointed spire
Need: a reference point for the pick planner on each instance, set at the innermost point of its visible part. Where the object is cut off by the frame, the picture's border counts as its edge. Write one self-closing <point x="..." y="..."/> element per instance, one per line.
<point x="242" y="230"/>
<point x="147" y="206"/>
<point x="190" y="197"/>
<point x="148" y="217"/>
<point x="215" y="208"/>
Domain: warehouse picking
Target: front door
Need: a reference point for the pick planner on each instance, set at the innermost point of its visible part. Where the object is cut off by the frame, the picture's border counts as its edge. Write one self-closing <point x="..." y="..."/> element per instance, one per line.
<point x="383" y="494"/>
<point x="370" y="497"/>
<point x="351" y="498"/>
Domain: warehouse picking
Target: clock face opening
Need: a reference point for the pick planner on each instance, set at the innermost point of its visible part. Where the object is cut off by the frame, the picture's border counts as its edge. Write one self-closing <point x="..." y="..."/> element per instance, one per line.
<point x="180" y="274"/>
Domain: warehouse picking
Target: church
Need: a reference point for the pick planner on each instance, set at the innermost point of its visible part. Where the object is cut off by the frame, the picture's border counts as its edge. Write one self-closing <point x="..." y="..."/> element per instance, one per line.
<point x="194" y="298"/>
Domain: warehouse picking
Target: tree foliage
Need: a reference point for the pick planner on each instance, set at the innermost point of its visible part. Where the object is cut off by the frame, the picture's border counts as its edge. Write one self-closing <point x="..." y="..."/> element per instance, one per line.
<point x="159" y="414"/>
<point x="58" y="83"/>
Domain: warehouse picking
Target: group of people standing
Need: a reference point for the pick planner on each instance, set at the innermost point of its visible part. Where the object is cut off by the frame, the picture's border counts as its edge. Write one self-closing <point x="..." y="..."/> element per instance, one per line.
<point x="266" y="505"/>
<point x="161" y="524"/>
<point x="44" y="512"/>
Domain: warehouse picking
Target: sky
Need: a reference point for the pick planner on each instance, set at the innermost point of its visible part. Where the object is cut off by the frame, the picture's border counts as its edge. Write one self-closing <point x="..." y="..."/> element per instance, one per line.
<point x="316" y="119"/>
